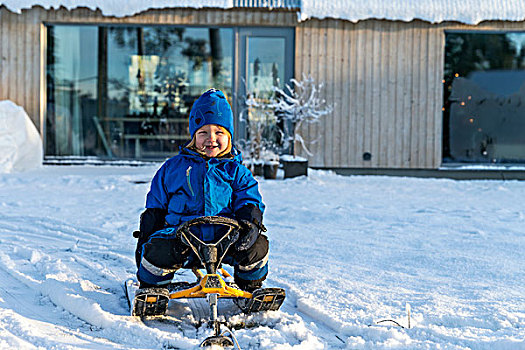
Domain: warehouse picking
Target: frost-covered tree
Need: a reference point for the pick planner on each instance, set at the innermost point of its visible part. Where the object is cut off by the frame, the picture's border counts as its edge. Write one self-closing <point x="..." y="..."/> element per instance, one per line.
<point x="259" y="145"/>
<point x="298" y="104"/>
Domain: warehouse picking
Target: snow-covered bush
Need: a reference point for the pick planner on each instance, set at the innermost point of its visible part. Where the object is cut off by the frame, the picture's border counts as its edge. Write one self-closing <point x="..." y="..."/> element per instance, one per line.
<point x="298" y="104"/>
<point x="259" y="147"/>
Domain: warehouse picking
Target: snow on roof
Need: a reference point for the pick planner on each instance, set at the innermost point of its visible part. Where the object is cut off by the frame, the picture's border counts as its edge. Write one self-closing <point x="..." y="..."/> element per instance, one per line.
<point x="117" y="8"/>
<point x="434" y="11"/>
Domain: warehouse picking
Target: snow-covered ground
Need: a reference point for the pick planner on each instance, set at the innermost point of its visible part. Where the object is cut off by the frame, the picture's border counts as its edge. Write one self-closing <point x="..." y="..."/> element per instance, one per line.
<point x="350" y="251"/>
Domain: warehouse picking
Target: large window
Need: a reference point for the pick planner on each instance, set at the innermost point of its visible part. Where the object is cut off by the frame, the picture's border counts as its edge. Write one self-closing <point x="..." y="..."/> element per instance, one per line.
<point x="484" y="98"/>
<point x="125" y="91"/>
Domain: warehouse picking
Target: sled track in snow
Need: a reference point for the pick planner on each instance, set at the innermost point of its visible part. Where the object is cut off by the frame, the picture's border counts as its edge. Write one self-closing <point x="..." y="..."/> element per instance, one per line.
<point x="76" y="315"/>
<point x="98" y="267"/>
<point x="323" y="329"/>
<point x="50" y="229"/>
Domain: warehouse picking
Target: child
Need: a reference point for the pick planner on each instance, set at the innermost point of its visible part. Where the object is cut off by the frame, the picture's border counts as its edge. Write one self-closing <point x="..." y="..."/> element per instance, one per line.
<point x="206" y="178"/>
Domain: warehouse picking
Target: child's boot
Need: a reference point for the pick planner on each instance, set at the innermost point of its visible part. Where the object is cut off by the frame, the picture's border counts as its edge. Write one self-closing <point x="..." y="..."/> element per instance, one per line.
<point x="150" y="301"/>
<point x="249" y="286"/>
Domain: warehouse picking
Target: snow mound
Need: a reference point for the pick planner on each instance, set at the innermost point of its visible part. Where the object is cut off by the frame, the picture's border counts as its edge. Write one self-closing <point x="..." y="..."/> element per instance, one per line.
<point x="20" y="141"/>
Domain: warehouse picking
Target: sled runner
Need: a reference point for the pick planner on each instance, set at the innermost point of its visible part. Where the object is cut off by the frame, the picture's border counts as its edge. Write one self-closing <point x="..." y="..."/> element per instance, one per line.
<point x="209" y="285"/>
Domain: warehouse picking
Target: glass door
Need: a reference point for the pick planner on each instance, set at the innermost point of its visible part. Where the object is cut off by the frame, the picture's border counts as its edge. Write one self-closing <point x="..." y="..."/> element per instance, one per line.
<point x="265" y="61"/>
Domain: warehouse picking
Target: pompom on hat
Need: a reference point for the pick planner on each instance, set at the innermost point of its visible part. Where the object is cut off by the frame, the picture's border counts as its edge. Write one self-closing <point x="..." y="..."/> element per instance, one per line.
<point x="211" y="107"/>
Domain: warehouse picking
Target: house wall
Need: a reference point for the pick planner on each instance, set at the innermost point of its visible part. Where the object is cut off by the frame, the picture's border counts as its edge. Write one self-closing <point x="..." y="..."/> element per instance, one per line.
<point x="385" y="80"/>
<point x="22" y="42"/>
<point x="383" y="77"/>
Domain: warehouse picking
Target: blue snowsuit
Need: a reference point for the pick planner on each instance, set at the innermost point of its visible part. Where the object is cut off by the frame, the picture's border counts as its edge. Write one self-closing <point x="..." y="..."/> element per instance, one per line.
<point x="190" y="185"/>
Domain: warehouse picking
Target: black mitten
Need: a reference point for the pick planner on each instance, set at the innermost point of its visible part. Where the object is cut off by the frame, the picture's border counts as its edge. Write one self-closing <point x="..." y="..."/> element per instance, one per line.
<point x="250" y="219"/>
<point x="151" y="220"/>
<point x="249" y="233"/>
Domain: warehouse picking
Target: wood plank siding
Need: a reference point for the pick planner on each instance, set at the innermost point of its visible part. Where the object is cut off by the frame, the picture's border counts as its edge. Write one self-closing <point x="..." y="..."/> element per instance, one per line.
<point x="383" y="77"/>
<point x="385" y="80"/>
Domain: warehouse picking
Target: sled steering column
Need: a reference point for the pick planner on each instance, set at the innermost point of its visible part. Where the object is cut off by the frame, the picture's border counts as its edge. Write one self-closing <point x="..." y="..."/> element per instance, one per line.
<point x="211" y="255"/>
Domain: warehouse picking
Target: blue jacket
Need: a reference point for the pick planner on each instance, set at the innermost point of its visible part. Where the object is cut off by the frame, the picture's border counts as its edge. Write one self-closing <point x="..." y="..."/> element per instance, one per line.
<point x="189" y="186"/>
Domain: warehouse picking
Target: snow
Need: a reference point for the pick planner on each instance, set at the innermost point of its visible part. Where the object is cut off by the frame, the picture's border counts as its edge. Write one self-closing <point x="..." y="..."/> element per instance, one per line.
<point x="506" y="167"/>
<point x="117" y="8"/>
<point x="19" y="140"/>
<point x="434" y="11"/>
<point x="350" y="251"/>
<point x="291" y="158"/>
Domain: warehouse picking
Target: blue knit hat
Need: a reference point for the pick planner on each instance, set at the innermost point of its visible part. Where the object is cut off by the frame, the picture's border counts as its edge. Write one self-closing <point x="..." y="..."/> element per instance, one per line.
<point x="211" y="108"/>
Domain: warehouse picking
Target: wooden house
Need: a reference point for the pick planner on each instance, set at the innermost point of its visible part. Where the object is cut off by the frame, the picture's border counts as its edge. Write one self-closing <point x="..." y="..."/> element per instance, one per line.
<point x="418" y="88"/>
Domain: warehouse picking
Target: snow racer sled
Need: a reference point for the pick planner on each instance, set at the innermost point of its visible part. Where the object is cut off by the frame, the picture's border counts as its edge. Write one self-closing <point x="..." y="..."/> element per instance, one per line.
<point x="209" y="285"/>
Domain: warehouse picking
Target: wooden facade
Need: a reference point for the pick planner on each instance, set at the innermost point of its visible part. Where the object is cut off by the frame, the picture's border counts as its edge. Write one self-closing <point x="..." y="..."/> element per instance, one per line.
<point x="383" y="77"/>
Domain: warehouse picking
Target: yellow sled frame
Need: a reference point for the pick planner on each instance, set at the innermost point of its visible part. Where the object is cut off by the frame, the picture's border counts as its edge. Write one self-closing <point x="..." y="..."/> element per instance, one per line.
<point x="204" y="288"/>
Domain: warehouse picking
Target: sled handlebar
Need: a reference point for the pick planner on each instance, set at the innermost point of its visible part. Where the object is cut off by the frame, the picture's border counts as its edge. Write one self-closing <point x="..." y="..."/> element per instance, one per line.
<point x="213" y="220"/>
<point x="210" y="254"/>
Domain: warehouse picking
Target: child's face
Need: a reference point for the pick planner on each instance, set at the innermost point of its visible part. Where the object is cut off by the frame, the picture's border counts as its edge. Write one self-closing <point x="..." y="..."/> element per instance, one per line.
<point x="212" y="140"/>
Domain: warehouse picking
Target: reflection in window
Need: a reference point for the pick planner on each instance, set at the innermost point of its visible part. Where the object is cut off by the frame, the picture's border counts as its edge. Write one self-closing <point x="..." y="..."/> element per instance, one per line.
<point x="126" y="91"/>
<point x="484" y="96"/>
<point x="71" y="90"/>
<point x="264" y="71"/>
<point x="265" y="65"/>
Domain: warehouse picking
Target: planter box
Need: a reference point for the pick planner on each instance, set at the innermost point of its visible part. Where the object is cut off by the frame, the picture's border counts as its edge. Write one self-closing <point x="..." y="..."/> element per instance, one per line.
<point x="270" y="170"/>
<point x="294" y="167"/>
<point x="257" y="169"/>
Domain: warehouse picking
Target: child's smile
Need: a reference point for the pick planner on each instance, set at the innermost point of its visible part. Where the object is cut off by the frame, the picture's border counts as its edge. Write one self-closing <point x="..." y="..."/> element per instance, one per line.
<point x="212" y="140"/>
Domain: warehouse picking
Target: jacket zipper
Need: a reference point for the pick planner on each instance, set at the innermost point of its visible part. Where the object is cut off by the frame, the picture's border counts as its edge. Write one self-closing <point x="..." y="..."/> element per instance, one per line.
<point x="204" y="185"/>
<point x="188" y="180"/>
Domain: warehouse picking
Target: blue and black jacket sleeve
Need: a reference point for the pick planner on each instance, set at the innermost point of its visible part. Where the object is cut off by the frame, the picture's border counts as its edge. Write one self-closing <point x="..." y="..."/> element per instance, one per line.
<point x="153" y="218"/>
<point x="246" y="200"/>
